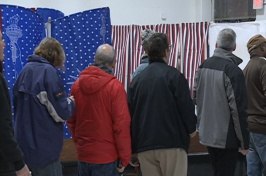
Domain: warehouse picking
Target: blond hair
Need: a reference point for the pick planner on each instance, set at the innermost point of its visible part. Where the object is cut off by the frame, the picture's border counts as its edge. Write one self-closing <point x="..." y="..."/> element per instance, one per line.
<point x="51" y="50"/>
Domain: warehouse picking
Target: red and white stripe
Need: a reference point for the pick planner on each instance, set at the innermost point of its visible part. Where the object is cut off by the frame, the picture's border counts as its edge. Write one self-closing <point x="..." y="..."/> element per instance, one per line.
<point x="188" y="40"/>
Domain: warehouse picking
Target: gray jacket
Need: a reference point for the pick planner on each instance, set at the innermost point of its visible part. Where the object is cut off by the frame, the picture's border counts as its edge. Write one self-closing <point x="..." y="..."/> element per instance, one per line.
<point x="144" y="63"/>
<point x="221" y="99"/>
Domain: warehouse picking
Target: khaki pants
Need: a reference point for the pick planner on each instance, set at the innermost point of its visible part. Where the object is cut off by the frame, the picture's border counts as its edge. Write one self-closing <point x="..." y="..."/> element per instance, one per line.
<point x="163" y="162"/>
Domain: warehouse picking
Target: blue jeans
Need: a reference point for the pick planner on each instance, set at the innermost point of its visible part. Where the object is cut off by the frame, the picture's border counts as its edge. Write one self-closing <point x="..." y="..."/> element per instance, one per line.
<point x="89" y="169"/>
<point x="256" y="158"/>
<point x="52" y="169"/>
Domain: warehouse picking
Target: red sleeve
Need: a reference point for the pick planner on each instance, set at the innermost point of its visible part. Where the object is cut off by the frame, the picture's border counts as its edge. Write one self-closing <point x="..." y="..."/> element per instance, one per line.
<point x="71" y="123"/>
<point x="121" y="123"/>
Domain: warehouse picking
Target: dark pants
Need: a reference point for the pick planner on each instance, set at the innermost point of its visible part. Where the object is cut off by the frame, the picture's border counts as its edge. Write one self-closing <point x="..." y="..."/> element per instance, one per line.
<point x="223" y="161"/>
<point x="89" y="169"/>
<point x="8" y="174"/>
<point x="6" y="169"/>
<point x="51" y="169"/>
<point x="256" y="158"/>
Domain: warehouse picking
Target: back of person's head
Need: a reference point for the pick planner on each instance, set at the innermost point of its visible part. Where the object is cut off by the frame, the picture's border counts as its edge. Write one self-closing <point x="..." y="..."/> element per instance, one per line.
<point x="105" y="55"/>
<point x="257" y="46"/>
<point x="226" y="39"/>
<point x="51" y="50"/>
<point x="157" y="46"/>
<point x="145" y="35"/>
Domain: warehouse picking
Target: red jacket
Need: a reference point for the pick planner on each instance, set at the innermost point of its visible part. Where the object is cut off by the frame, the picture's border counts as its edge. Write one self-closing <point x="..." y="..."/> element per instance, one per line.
<point x="100" y="126"/>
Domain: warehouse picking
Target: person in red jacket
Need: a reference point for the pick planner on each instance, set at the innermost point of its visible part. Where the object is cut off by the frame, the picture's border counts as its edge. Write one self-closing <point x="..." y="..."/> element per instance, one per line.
<point x="100" y="126"/>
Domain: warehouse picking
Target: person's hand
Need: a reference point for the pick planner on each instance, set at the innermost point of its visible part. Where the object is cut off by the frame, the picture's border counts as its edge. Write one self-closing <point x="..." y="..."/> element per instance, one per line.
<point x="193" y="134"/>
<point x="24" y="171"/>
<point x="244" y="152"/>
<point x="121" y="169"/>
<point x="134" y="161"/>
<point x="72" y="98"/>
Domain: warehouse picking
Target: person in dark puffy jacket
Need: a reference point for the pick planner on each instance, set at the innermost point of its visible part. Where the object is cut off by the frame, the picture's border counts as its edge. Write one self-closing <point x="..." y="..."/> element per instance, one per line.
<point x="41" y="106"/>
<point x="11" y="157"/>
<point x="163" y="114"/>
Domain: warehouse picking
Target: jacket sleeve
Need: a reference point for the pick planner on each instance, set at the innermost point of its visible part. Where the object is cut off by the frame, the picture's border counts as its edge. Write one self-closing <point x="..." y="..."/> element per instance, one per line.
<point x="263" y="78"/>
<point x="185" y="104"/>
<point x="9" y="148"/>
<point x="59" y="106"/>
<point x="121" y="123"/>
<point x="237" y="100"/>
<point x="71" y="123"/>
<point x="195" y="87"/>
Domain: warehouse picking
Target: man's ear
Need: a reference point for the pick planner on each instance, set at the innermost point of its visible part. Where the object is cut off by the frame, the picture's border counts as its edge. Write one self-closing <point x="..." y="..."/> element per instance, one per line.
<point x="114" y="62"/>
<point x="234" y="48"/>
<point x="263" y="47"/>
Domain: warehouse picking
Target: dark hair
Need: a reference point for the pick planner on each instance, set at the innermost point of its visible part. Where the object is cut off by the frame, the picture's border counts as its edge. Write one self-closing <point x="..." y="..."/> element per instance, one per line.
<point x="51" y="50"/>
<point x="156" y="46"/>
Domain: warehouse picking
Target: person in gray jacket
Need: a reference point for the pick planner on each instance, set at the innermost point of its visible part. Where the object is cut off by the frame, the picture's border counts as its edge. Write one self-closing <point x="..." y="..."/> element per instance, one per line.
<point x="145" y="35"/>
<point x="220" y="96"/>
<point x="255" y="75"/>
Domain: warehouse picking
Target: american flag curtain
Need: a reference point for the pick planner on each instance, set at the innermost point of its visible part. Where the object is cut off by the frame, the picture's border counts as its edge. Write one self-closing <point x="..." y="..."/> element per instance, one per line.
<point x="22" y="31"/>
<point x="194" y="48"/>
<point x="188" y="40"/>
<point x="48" y="13"/>
<point x="120" y="40"/>
<point x="81" y="34"/>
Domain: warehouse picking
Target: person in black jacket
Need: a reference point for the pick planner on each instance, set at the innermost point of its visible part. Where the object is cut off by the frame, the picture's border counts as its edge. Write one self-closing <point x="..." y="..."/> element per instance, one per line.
<point x="11" y="158"/>
<point x="163" y="114"/>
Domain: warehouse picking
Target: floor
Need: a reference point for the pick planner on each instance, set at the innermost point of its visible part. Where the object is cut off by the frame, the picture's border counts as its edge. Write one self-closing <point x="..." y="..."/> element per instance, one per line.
<point x="198" y="165"/>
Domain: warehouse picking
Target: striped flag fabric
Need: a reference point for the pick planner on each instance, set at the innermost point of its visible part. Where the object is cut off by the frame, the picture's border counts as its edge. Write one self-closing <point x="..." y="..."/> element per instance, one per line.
<point x="194" y="42"/>
<point x="188" y="47"/>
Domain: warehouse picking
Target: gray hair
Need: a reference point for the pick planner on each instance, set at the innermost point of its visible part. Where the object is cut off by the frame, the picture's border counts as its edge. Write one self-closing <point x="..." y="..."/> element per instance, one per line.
<point x="105" y="54"/>
<point x="226" y="39"/>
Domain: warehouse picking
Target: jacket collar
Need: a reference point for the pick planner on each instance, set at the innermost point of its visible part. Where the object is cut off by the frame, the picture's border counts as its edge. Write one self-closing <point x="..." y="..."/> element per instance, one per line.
<point x="35" y="58"/>
<point x="160" y="60"/>
<point x="103" y="67"/>
<point x="219" y="52"/>
<point x="144" y="60"/>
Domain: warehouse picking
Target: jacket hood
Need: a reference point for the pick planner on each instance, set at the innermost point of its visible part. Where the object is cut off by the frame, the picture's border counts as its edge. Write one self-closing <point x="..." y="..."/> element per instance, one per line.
<point x="92" y="79"/>
<point x="219" y="52"/>
<point x="35" y="58"/>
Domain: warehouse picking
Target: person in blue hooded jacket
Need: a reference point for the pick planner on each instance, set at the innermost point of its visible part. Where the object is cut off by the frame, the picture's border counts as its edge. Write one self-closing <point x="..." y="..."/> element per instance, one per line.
<point x="41" y="106"/>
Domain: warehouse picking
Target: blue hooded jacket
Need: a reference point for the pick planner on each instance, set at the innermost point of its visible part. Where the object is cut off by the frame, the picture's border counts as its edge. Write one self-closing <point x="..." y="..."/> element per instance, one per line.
<point x="41" y="106"/>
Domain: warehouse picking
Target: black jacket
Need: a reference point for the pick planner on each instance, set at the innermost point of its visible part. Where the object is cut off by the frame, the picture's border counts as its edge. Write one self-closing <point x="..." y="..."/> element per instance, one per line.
<point x="162" y="111"/>
<point x="10" y="154"/>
